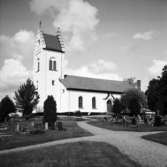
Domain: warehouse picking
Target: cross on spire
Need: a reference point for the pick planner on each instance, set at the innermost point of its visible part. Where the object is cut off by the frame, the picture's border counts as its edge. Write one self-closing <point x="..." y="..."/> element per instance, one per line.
<point x="40" y="24"/>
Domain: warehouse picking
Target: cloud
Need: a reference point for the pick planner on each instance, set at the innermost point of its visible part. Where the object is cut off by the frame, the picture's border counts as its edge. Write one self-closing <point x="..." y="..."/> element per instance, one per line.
<point x="12" y="74"/>
<point x="79" y="27"/>
<point x="100" y="69"/>
<point x="19" y="46"/>
<point x="102" y="66"/>
<point x="15" y="60"/>
<point x="145" y="35"/>
<point x="157" y="66"/>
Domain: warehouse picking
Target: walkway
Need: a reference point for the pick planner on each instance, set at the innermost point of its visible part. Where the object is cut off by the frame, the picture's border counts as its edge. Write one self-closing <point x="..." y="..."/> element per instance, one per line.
<point x="145" y="152"/>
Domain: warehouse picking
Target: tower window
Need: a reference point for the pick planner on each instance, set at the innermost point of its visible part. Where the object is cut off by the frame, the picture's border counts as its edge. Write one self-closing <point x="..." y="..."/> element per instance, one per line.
<point x="52" y="65"/>
<point x="53" y="82"/>
<point x="93" y="102"/>
<point x="80" y="102"/>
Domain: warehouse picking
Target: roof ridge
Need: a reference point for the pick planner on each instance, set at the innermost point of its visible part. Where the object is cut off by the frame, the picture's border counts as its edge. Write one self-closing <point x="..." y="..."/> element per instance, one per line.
<point x="68" y="75"/>
<point x="73" y="82"/>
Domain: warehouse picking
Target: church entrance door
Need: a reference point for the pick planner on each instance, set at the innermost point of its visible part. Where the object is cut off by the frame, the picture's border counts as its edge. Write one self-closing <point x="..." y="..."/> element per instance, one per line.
<point x="109" y="106"/>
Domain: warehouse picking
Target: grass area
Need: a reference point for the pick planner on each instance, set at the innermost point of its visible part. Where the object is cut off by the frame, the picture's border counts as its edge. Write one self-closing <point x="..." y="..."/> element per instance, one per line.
<point x="81" y="154"/>
<point x="159" y="137"/>
<point x="119" y="127"/>
<point x="17" y="140"/>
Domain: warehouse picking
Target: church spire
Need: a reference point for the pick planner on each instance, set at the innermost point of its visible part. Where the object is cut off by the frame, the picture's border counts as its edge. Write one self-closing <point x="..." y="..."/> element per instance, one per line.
<point x="40" y="25"/>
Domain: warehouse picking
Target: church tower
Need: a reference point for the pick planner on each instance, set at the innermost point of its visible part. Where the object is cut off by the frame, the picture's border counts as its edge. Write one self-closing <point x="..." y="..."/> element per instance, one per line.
<point x="48" y="65"/>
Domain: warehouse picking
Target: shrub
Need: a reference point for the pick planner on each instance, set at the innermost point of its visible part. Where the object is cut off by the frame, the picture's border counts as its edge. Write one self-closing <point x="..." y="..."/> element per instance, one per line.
<point x="37" y="131"/>
<point x="50" y="111"/>
<point x="117" y="107"/>
<point x="78" y="113"/>
<point x="6" y="107"/>
<point x="157" y="120"/>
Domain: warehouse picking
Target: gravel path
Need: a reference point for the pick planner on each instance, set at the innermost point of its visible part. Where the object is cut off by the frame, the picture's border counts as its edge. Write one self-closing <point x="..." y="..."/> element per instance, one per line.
<point x="147" y="153"/>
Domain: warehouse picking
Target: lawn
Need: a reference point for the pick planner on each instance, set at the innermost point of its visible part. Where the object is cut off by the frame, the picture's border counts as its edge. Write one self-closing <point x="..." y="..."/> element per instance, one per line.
<point x="16" y="140"/>
<point x="119" y="127"/>
<point x="81" y="154"/>
<point x="159" y="137"/>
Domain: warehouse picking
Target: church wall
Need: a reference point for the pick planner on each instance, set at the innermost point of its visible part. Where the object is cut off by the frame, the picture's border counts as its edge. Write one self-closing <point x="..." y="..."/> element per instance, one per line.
<point x="87" y="101"/>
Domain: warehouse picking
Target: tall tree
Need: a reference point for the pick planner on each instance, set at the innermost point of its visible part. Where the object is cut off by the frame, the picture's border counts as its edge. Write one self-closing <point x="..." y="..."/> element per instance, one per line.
<point x="26" y="97"/>
<point x="157" y="93"/>
<point x="133" y="99"/>
<point x="6" y="107"/>
<point x="152" y="93"/>
<point x="162" y="105"/>
<point x="50" y="111"/>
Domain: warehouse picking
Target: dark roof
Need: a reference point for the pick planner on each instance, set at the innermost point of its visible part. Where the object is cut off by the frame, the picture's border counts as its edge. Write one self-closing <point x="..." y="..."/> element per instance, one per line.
<point x="95" y="85"/>
<point x="52" y="43"/>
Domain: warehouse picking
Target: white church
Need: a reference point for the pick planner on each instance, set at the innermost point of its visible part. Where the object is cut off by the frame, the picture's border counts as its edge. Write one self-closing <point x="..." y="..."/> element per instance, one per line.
<point x="72" y="93"/>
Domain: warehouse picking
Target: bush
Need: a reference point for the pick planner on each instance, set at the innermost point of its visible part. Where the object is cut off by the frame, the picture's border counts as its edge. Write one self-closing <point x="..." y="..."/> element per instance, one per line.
<point x="50" y="111"/>
<point x="117" y="107"/>
<point x="37" y="131"/>
<point x="157" y="120"/>
<point x="6" y="107"/>
<point x="78" y="113"/>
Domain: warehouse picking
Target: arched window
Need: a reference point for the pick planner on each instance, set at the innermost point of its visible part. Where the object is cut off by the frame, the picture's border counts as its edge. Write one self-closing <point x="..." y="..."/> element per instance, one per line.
<point x="80" y="102"/>
<point x="50" y="65"/>
<point x="54" y="65"/>
<point x="93" y="102"/>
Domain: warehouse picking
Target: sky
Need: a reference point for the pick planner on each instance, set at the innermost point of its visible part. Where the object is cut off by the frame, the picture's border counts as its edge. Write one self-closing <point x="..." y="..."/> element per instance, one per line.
<point x="111" y="39"/>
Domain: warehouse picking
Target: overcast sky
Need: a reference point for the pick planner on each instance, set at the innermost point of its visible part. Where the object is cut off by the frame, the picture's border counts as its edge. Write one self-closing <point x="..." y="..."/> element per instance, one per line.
<point x="114" y="39"/>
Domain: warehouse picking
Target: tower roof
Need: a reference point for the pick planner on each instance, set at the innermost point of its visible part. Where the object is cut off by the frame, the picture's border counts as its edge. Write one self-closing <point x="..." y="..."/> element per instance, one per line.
<point x="53" y="43"/>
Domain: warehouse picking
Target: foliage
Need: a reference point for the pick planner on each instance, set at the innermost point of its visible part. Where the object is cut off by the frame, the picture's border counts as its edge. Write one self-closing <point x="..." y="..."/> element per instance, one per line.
<point x="133" y="99"/>
<point x="157" y="120"/>
<point x="50" y="111"/>
<point x="134" y="106"/>
<point x="152" y="94"/>
<point x="26" y="97"/>
<point x="117" y="107"/>
<point x="6" y="107"/>
<point x="157" y="93"/>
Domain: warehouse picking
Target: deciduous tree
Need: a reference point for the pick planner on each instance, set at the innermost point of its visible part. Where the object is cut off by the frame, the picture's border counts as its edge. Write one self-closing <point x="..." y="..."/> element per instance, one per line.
<point x="157" y="93"/>
<point x="133" y="99"/>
